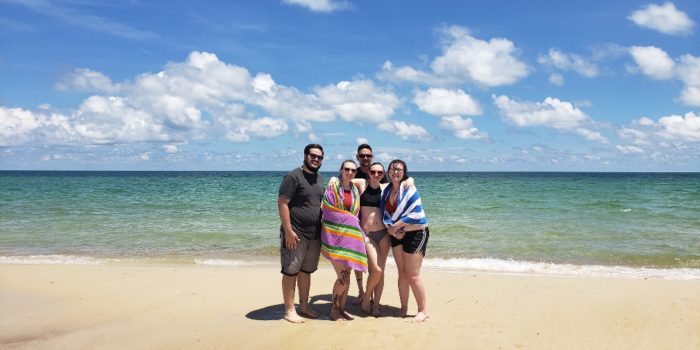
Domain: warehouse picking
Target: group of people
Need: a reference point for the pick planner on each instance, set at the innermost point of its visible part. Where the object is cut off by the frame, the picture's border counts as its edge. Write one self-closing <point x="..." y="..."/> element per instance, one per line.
<point x="353" y="223"/>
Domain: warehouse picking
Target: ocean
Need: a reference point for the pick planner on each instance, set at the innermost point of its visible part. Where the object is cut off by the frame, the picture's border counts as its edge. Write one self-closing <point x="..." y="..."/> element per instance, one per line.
<point x="638" y="225"/>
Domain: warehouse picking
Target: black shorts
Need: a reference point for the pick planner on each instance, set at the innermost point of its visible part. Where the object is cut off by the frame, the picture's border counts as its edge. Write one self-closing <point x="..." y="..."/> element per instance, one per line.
<point x="413" y="242"/>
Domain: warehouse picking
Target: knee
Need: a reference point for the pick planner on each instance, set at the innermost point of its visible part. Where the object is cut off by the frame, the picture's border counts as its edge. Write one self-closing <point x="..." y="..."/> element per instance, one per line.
<point x="413" y="278"/>
<point x="376" y="270"/>
<point x="345" y="276"/>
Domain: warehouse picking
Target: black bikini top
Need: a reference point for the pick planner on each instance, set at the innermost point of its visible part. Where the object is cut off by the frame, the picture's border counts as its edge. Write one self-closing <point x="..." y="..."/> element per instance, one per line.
<point x="371" y="197"/>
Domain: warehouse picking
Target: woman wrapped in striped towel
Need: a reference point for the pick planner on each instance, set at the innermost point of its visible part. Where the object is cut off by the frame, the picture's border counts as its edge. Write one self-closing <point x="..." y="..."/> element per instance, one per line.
<point x="407" y="224"/>
<point x="342" y="238"/>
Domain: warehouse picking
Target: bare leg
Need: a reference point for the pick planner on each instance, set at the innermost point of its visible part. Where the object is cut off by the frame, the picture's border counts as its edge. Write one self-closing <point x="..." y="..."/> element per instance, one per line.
<point x="304" y="284"/>
<point x="290" y="313"/>
<point x="340" y="291"/>
<point x="412" y="265"/>
<point x="382" y="255"/>
<point x="360" y="290"/>
<point x="374" y="275"/>
<point x="403" y="280"/>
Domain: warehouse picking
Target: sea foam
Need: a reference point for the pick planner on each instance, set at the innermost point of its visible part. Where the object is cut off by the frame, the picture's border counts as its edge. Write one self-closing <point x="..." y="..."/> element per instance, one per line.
<point x="551" y="269"/>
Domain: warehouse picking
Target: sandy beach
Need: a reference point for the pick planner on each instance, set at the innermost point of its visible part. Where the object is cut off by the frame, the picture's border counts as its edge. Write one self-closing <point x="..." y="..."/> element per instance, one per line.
<point x="187" y="306"/>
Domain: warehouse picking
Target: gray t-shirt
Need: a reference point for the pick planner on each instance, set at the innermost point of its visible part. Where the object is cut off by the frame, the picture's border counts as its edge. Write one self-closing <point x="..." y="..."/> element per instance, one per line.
<point x="305" y="192"/>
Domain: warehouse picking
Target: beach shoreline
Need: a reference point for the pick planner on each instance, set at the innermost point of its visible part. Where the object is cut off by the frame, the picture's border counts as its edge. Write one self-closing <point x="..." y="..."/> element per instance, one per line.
<point x="154" y="306"/>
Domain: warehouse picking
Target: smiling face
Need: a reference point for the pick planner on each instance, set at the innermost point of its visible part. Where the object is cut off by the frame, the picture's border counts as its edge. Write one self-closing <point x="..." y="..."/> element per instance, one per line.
<point x="313" y="159"/>
<point x="376" y="173"/>
<point x="347" y="171"/>
<point x="364" y="156"/>
<point x="397" y="171"/>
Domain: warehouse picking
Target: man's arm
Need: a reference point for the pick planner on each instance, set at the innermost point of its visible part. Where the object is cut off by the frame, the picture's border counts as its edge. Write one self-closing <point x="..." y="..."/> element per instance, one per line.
<point x="290" y="237"/>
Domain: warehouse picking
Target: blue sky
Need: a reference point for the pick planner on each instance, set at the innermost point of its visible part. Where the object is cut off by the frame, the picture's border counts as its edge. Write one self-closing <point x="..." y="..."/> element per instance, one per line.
<point x="444" y="85"/>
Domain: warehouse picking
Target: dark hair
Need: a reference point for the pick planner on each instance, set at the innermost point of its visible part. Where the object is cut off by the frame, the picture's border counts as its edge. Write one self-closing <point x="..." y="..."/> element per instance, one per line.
<point x="363" y="146"/>
<point x="340" y="176"/>
<point x="377" y="163"/>
<point x="312" y="145"/>
<point x="405" y="168"/>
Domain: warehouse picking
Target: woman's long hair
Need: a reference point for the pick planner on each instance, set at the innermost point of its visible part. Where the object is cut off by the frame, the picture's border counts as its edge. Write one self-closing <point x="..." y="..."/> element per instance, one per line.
<point x="405" y="168"/>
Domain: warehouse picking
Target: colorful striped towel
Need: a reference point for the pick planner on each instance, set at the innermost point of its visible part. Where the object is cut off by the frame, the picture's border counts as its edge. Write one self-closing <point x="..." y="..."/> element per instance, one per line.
<point x="408" y="209"/>
<point x="342" y="239"/>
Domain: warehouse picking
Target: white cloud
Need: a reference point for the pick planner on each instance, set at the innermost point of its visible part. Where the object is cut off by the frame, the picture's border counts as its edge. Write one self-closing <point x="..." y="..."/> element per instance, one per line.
<point x="320" y="5"/>
<point x="656" y="64"/>
<point x="361" y="140"/>
<point x="637" y="137"/>
<point x="106" y="120"/>
<point x="683" y="128"/>
<point x="265" y="127"/>
<point x="170" y="148"/>
<point x="591" y="135"/>
<point x="489" y="63"/>
<point x="671" y="132"/>
<point x="16" y="125"/>
<point x="556" y="79"/>
<point x="689" y="72"/>
<point x="466" y="59"/>
<point x="313" y="137"/>
<point x="653" y="61"/>
<point x="552" y="112"/>
<point x="407" y="74"/>
<point x="444" y="102"/>
<point x="405" y="130"/>
<point x="462" y="128"/>
<point x="358" y="100"/>
<point x="565" y="62"/>
<point x="83" y="79"/>
<point x="629" y="149"/>
<point x="663" y="18"/>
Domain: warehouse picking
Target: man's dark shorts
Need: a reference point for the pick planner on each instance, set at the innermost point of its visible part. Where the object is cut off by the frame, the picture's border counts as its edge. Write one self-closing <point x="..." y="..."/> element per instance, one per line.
<point x="304" y="258"/>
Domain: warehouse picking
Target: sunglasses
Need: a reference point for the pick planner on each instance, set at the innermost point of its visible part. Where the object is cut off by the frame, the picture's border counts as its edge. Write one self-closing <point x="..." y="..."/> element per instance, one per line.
<point x="350" y="170"/>
<point x="395" y="170"/>
<point x="376" y="172"/>
<point x="315" y="156"/>
<point x="365" y="156"/>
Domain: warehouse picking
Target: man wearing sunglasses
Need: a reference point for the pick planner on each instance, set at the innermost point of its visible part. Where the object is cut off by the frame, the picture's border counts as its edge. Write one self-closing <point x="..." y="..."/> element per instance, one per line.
<point x="299" y="205"/>
<point x="364" y="157"/>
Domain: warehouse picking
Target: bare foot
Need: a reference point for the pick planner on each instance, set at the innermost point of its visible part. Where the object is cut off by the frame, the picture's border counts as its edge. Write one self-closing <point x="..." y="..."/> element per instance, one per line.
<point x="292" y="317"/>
<point x="335" y="315"/>
<point x="402" y="313"/>
<point x="375" y="310"/>
<point x="420" y="317"/>
<point x="359" y="298"/>
<point x="308" y="312"/>
<point x="347" y="316"/>
<point x="365" y="307"/>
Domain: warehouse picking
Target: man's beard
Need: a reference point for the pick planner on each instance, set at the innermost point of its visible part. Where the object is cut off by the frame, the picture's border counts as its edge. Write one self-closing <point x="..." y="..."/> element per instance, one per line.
<point x="310" y="167"/>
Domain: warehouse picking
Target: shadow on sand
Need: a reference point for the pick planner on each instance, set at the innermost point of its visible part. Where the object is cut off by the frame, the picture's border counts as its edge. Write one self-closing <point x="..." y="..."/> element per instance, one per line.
<point x="320" y="303"/>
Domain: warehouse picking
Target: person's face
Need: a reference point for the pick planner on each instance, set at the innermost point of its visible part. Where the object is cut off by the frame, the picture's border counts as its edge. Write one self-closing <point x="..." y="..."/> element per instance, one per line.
<point x="364" y="156"/>
<point x="314" y="159"/>
<point x="396" y="172"/>
<point x="376" y="172"/>
<point x="349" y="170"/>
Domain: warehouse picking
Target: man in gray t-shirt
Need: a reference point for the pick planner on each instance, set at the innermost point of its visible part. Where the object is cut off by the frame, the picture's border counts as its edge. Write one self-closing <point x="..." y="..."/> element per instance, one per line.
<point x="299" y="205"/>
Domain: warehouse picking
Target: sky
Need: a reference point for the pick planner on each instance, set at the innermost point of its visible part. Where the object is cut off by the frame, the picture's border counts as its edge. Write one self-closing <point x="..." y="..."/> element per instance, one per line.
<point x="444" y="85"/>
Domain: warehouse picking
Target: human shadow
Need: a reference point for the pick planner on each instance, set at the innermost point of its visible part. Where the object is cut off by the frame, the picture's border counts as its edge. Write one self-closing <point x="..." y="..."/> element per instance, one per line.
<point x="322" y="304"/>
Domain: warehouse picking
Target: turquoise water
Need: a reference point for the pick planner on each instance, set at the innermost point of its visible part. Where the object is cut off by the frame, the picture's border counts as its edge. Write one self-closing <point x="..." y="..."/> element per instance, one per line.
<point x="539" y="220"/>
